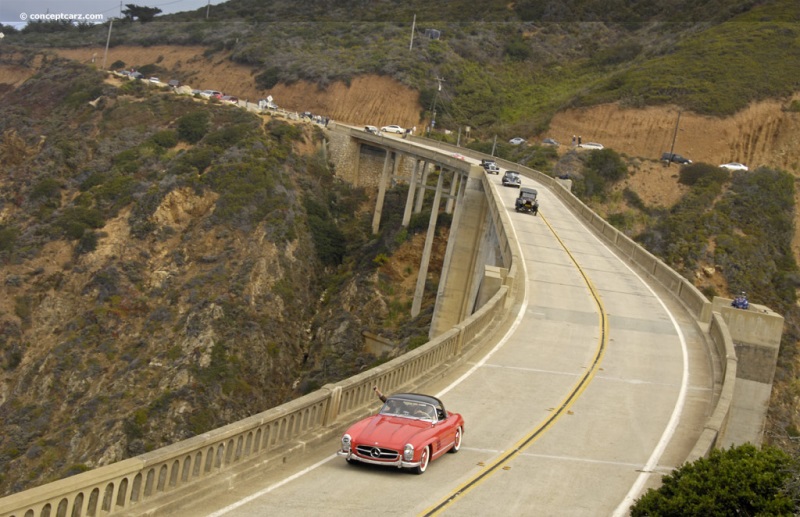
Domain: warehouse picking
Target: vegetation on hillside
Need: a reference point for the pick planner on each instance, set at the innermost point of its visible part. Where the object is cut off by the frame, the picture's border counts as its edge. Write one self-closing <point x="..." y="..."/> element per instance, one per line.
<point x="504" y="68"/>
<point x="171" y="266"/>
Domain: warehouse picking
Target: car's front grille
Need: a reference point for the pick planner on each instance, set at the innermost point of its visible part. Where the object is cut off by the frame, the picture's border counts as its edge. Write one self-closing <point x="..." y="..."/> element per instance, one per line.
<point x="377" y="453"/>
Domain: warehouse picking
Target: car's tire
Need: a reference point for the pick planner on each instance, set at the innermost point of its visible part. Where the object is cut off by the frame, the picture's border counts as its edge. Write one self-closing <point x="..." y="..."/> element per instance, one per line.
<point x="424" y="460"/>
<point x="457" y="443"/>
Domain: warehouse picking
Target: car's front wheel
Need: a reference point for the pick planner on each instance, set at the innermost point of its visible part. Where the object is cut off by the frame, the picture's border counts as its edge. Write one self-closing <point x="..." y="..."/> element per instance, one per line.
<point x="424" y="460"/>
<point x="457" y="442"/>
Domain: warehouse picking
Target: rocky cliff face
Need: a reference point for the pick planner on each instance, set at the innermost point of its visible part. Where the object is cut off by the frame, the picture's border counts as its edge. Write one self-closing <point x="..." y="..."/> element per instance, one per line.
<point x="156" y="285"/>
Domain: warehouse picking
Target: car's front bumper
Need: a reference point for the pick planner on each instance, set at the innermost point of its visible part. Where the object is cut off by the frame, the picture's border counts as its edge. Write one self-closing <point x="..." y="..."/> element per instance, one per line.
<point x="399" y="463"/>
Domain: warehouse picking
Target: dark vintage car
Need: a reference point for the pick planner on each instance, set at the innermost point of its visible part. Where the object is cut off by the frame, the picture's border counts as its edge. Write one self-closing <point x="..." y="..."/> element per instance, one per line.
<point x="409" y="431"/>
<point x="490" y="166"/>
<point x="512" y="179"/>
<point x="526" y="201"/>
<point x="672" y="157"/>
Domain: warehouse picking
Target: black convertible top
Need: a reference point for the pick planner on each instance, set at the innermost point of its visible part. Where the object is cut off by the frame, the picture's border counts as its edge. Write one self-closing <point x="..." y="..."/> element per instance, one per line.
<point x="418" y="397"/>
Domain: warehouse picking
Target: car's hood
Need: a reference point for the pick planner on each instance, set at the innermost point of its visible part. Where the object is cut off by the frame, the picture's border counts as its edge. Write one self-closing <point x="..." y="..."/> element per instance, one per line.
<point x="390" y="431"/>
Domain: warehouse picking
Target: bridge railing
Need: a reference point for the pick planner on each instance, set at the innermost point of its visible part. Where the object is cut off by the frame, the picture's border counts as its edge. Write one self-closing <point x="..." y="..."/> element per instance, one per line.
<point x="163" y="478"/>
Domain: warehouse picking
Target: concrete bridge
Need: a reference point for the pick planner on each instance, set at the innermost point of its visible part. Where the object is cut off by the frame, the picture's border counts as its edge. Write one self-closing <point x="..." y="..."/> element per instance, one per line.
<point x="584" y="366"/>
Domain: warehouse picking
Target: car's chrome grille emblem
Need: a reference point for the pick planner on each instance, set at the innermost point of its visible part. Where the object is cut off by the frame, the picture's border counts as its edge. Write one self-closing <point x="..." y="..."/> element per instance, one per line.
<point x="377" y="453"/>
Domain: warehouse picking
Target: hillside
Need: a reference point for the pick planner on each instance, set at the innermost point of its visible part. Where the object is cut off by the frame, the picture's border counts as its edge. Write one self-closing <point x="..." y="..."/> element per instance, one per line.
<point x="178" y="266"/>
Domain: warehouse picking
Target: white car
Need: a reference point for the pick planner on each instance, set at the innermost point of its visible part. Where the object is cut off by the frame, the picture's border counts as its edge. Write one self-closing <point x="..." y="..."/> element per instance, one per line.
<point x="592" y="145"/>
<point x="516" y="141"/>
<point x="734" y="166"/>
<point x="154" y="80"/>
<point x="393" y="129"/>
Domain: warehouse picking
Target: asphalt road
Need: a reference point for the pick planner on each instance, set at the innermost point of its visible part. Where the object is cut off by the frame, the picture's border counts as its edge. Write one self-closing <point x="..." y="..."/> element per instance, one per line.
<point x="598" y="388"/>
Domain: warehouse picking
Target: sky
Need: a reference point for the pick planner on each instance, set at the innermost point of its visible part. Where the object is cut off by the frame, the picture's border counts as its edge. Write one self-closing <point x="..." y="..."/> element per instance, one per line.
<point x="18" y="12"/>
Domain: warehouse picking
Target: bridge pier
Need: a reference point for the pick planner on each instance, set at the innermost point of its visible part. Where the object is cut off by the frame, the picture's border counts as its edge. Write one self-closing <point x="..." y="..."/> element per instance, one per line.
<point x="376" y="217"/>
<point x="422" y="276"/>
<point x="412" y="188"/>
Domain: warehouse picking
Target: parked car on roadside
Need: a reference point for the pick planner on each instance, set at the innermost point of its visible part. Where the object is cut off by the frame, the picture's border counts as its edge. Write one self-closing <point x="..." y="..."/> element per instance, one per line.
<point x="511" y="179"/>
<point x="393" y="129"/>
<point x="734" y="166"/>
<point x="211" y="94"/>
<point x="672" y="157"/>
<point x="409" y="431"/>
<point x="550" y="141"/>
<point x="230" y="99"/>
<point x="516" y="141"/>
<point x="592" y="145"/>
<point x="371" y="129"/>
<point x="154" y="80"/>
<point x="174" y="83"/>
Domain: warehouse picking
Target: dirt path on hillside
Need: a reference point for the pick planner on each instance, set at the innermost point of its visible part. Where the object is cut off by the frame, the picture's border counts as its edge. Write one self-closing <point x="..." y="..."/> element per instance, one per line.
<point x="368" y="100"/>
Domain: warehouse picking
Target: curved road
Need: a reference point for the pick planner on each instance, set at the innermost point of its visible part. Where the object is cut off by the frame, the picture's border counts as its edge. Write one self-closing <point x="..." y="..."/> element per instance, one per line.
<point x="598" y="388"/>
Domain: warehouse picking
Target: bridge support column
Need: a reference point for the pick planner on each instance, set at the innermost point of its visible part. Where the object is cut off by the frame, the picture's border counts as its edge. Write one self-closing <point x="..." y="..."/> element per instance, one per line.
<point x="421" y="189"/>
<point x="412" y="187"/>
<point x="376" y="218"/>
<point x="454" y="184"/>
<point x="416" y="305"/>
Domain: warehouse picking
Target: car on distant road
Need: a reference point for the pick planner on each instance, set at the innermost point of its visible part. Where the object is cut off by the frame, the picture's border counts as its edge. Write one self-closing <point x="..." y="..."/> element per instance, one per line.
<point x="591" y="145"/>
<point x="174" y="83"/>
<point x="511" y="179"/>
<point x="734" y="166"/>
<point x="209" y="94"/>
<point x="154" y="80"/>
<point x="393" y="129"/>
<point x="409" y="431"/>
<point x="672" y="157"/>
<point x="459" y="156"/>
<point x="516" y="141"/>
<point x="371" y="129"/>
<point x="490" y="166"/>
<point x="230" y="99"/>
<point x="550" y="141"/>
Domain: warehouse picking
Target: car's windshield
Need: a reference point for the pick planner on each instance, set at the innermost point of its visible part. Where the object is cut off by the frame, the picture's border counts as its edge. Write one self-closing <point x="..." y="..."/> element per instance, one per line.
<point x="409" y="409"/>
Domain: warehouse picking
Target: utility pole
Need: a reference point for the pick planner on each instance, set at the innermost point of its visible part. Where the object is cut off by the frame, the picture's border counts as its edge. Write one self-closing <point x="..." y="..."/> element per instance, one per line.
<point x="413" y="24"/>
<point x="208" y="8"/>
<point x="674" y="136"/>
<point x="108" y="40"/>
<point x="494" y="145"/>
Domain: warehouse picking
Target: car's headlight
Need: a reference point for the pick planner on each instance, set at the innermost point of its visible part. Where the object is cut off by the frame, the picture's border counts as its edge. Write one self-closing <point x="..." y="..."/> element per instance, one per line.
<point x="346" y="443"/>
<point x="408" y="452"/>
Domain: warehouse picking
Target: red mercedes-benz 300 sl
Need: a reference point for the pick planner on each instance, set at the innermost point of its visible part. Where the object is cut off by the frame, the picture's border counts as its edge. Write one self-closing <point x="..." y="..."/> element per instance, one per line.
<point x="409" y="431"/>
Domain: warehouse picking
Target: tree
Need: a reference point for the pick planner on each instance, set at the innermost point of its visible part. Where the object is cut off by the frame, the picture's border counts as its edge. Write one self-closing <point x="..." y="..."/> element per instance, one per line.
<point x="742" y="480"/>
<point x="140" y="12"/>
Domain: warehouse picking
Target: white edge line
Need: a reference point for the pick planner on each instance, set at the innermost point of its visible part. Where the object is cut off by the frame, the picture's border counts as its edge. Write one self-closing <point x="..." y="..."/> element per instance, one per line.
<point x="270" y="488"/>
<point x="672" y="425"/>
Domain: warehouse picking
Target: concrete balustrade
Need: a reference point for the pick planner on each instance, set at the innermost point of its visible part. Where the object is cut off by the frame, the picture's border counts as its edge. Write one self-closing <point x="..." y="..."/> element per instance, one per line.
<point x="179" y="470"/>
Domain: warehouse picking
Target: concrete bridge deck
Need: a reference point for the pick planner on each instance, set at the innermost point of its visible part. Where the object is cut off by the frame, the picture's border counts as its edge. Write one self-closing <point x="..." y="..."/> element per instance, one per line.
<point x="597" y="387"/>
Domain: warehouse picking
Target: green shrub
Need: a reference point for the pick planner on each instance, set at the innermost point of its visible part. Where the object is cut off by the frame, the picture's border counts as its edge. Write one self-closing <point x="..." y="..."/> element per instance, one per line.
<point x="118" y="65"/>
<point x="268" y="78"/>
<point x="192" y="127"/>
<point x="737" y="481"/>
<point x="702" y="174"/>
<point x="74" y="221"/>
<point x="48" y="189"/>
<point x="166" y="139"/>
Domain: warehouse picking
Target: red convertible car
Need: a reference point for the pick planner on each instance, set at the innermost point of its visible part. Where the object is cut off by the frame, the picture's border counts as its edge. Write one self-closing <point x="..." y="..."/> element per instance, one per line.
<point x="409" y="431"/>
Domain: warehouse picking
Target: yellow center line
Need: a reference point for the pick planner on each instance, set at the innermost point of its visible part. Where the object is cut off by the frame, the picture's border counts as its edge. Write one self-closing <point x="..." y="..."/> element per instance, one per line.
<point x="568" y="401"/>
